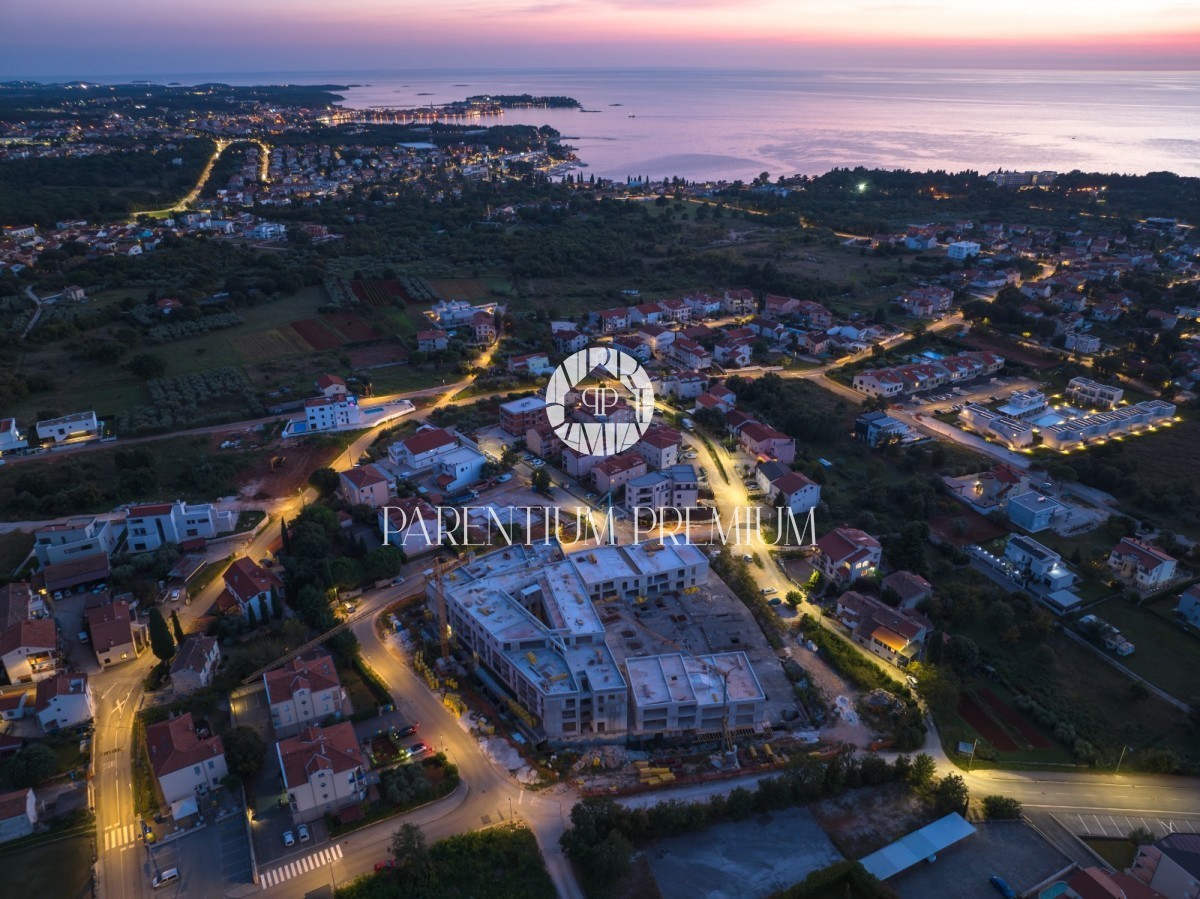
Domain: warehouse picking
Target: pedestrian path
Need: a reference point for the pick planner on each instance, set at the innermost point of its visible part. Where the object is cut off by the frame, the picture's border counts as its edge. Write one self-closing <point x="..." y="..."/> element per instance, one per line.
<point x="286" y="872"/>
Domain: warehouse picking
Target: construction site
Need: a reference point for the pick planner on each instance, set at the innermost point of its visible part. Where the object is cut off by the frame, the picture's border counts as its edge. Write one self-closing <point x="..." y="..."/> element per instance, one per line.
<point x="618" y="640"/>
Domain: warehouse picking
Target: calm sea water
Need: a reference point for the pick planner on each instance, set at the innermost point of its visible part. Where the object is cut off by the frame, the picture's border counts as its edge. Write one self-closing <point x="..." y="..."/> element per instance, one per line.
<point x="712" y="125"/>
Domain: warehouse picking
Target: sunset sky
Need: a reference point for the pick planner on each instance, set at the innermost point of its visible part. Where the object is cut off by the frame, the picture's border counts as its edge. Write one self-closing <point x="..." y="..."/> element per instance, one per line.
<point x="82" y="38"/>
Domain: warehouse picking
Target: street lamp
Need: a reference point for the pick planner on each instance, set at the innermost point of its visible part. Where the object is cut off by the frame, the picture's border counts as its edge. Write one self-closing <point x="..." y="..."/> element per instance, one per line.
<point x="1121" y="759"/>
<point x="971" y="760"/>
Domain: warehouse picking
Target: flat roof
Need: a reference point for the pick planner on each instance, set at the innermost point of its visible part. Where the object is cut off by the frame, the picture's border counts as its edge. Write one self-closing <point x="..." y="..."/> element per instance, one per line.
<point x="1034" y="501"/>
<point x="607" y="563"/>
<point x="676" y="678"/>
<point x="526" y="404"/>
<point x="918" y="846"/>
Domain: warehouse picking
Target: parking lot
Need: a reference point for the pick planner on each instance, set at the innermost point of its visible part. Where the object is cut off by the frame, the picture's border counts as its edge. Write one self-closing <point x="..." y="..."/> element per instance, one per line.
<point x="1120" y="826"/>
<point x="944" y="399"/>
<point x="211" y="861"/>
<point x="269" y="828"/>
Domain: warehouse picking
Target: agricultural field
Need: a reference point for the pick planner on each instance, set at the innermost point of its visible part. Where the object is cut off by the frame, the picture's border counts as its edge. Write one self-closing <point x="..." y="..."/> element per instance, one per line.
<point x="1166" y="652"/>
<point x="470" y="289"/>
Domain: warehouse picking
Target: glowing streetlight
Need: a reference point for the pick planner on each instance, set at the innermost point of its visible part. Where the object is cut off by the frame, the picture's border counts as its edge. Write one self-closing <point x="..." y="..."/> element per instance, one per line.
<point x="862" y="187"/>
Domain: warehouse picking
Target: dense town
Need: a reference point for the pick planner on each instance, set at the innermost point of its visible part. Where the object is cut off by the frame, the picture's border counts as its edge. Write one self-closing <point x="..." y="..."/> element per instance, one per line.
<point x="383" y="594"/>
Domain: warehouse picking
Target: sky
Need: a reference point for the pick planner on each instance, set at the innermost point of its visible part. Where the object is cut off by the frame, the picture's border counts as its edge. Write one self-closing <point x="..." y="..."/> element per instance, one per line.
<point x="86" y="39"/>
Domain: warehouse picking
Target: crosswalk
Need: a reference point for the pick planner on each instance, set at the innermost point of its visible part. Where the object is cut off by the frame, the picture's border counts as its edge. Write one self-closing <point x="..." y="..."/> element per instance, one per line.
<point x="286" y="872"/>
<point x="119" y="836"/>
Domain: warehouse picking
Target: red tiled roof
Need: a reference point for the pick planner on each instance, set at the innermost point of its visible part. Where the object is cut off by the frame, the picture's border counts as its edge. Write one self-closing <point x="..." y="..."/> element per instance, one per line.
<point x="14" y="603"/>
<point x="793" y="482"/>
<point x="36" y="633"/>
<point x="758" y="432"/>
<point x="110" y="626"/>
<point x="364" y="477"/>
<point x="59" y="685"/>
<point x="148" y="511"/>
<point x="907" y="585"/>
<point x="842" y="543"/>
<point x="245" y="579"/>
<point x="173" y="745"/>
<point x="429" y="439"/>
<point x="315" y="674"/>
<point x="92" y="567"/>
<point x="619" y="463"/>
<point x="14" y="804"/>
<point x="226" y="601"/>
<point x="1148" y="557"/>
<point x="333" y="749"/>
<point x="329" y="381"/>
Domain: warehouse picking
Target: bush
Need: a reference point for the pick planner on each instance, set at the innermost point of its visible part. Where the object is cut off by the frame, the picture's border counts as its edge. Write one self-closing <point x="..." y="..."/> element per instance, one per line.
<point x="1000" y="808"/>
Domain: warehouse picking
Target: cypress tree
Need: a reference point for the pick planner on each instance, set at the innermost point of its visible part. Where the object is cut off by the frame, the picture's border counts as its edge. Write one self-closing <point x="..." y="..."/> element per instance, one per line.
<point x="176" y="627"/>
<point x="161" y="643"/>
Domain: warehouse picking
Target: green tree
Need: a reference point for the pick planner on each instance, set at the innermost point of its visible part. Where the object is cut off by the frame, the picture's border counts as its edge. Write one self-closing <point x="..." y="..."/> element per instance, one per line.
<point x="411" y="854"/>
<point x="32" y="765"/>
<point x="998" y="808"/>
<point x="147" y="366"/>
<point x="540" y="480"/>
<point x="922" y="770"/>
<point x="251" y="616"/>
<point x="951" y="795"/>
<point x="1142" y="836"/>
<point x="244" y="751"/>
<point x="276" y="605"/>
<point x="346" y="573"/>
<point x="161" y="642"/>
<point x="326" y="480"/>
<point x="176" y="627"/>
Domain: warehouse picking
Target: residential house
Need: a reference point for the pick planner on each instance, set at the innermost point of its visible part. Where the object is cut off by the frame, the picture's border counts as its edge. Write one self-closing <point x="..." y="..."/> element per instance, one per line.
<point x="646" y="314"/>
<point x="18" y="814"/>
<point x="767" y="330"/>
<point x="364" y="486"/>
<point x="613" y="320"/>
<point x="634" y="347"/>
<point x="910" y="588"/>
<point x="1144" y="566"/>
<point x="1033" y="512"/>
<point x="703" y="305"/>
<point x="323" y="771"/>
<point x="69" y="428"/>
<point x="150" y="526"/>
<point x="530" y="363"/>
<point x="432" y="341"/>
<point x="989" y="423"/>
<point x="962" y="249"/>
<point x="1076" y="432"/>
<point x="458" y="469"/>
<point x="739" y="302"/>
<point x="12" y="708"/>
<point x="194" y="664"/>
<point x="1093" y="393"/>
<point x="1170" y="865"/>
<point x="1023" y="405"/>
<point x="846" y="554"/>
<point x="10" y="436"/>
<point x="116" y="636"/>
<point x="897" y="635"/>
<point x="1082" y="343"/>
<point x="1038" y="563"/>
<point x="676" y="310"/>
<point x="331" y="386"/>
<point x="18" y="602"/>
<point x="614" y="472"/>
<point x="421" y="450"/>
<point x="764" y="442"/>
<point x="777" y="307"/>
<point x="877" y="429"/>
<point x="813" y="315"/>
<point x="250" y="586"/>
<point x="660" y="447"/>
<point x="78" y="537"/>
<point x="690" y="354"/>
<point x="305" y="691"/>
<point x="569" y="341"/>
<point x="676" y="488"/>
<point x="518" y="416"/>
<point x="331" y="413"/>
<point x="718" y="397"/>
<point x="787" y="488"/>
<point x="483" y="328"/>
<point x="186" y="765"/>
<point x="64" y="701"/>
<point x="991" y="489"/>
<point x="657" y="337"/>
<point x="733" y="352"/>
<point x="578" y="465"/>
<point x="686" y="385"/>
<point x="29" y="650"/>
<point x="543" y="441"/>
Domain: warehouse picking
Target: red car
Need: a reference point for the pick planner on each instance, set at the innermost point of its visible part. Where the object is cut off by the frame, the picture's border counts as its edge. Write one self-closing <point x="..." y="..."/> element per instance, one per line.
<point x="383" y="866"/>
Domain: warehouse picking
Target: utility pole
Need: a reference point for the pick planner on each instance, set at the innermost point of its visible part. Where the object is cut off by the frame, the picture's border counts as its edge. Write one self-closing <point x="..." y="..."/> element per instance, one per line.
<point x="971" y="760"/>
<point x="1121" y="759"/>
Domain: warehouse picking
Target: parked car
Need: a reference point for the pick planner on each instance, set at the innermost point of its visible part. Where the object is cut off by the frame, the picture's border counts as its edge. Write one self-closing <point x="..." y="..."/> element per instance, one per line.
<point x="407" y="731"/>
<point x="58" y="594"/>
<point x="767" y="591"/>
<point x="174" y="596"/>
<point x="302" y="832"/>
<point x="1001" y="887"/>
<point x="84" y="638"/>
<point x="417" y="749"/>
<point x="537" y="463"/>
<point x="747" y="558"/>
<point x="383" y="866"/>
<point x="171" y="875"/>
<point x="289" y="838"/>
<point x="504" y="478"/>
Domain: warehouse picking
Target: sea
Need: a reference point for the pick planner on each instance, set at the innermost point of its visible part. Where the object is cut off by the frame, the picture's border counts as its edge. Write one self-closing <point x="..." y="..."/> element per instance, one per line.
<point x="707" y="124"/>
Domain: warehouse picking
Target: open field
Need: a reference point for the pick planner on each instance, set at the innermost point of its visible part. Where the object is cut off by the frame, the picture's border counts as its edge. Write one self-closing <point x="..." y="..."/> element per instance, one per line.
<point x="314" y="332"/>
<point x="350" y="327"/>
<point x="993" y="343"/>
<point x="1166" y="653"/>
<point x="62" y="868"/>
<point x="470" y="289"/>
<point x="14" y="547"/>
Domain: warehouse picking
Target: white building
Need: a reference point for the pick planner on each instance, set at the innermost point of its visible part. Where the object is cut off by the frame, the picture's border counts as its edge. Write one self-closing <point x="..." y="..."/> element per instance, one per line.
<point x="1093" y="393"/>
<point x="149" y="527"/>
<point x="186" y="766"/>
<point x="459" y="468"/>
<point x="1023" y="404"/>
<point x="1039" y="564"/>
<point x="194" y="664"/>
<point x="323" y="770"/>
<point x="304" y="691"/>
<point x="525" y="613"/>
<point x="64" y="701"/>
<point x="76" y="538"/>
<point x="676" y="487"/>
<point x="421" y="450"/>
<point x="799" y="493"/>
<point x="331" y="413"/>
<point x="676" y="695"/>
<point x="10" y="436"/>
<point x="18" y="814"/>
<point x="641" y="569"/>
<point x="1013" y="433"/>
<point x="1076" y="432"/>
<point x="962" y="249"/>
<point x="79" y="426"/>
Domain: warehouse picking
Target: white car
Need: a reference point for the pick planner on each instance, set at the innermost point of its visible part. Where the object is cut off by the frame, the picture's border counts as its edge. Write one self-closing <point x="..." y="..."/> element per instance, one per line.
<point x="767" y="591"/>
<point x="174" y="596"/>
<point x="302" y="832"/>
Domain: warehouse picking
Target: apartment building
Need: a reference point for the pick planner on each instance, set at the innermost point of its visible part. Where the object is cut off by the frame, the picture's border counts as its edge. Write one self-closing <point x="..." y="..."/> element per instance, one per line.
<point x="305" y="691"/>
<point x="675" y="695"/>
<point x="148" y="527"/>
<point x="186" y="764"/>
<point x="1093" y="393"/>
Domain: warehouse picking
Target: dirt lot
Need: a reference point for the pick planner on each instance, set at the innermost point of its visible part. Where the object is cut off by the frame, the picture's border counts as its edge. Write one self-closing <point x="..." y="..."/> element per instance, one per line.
<point x="470" y="289"/>
<point x="1009" y="350"/>
<point x="315" y="334"/>
<point x="350" y="327"/>
<point x="261" y="481"/>
<point x="861" y="821"/>
<point x="979" y="529"/>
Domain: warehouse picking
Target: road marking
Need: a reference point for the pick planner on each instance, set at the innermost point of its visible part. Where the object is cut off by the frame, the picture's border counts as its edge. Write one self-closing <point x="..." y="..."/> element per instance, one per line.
<point x="301" y="866"/>
<point x="117" y="835"/>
